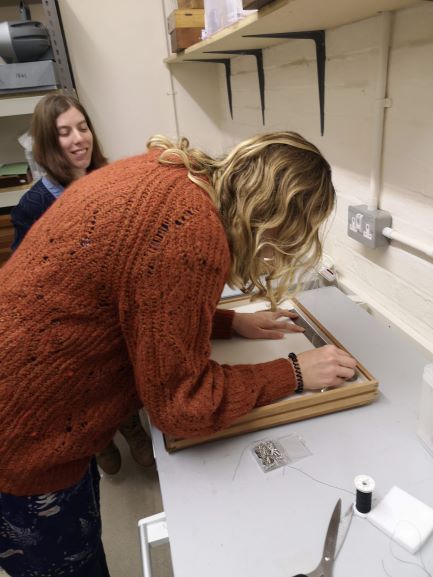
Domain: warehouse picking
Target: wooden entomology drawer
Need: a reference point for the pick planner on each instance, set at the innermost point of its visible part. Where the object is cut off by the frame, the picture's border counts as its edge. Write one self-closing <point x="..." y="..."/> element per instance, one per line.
<point x="360" y="390"/>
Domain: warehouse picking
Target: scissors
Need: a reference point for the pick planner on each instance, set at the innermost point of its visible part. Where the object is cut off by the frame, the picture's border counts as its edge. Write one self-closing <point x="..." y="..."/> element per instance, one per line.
<point x="326" y="565"/>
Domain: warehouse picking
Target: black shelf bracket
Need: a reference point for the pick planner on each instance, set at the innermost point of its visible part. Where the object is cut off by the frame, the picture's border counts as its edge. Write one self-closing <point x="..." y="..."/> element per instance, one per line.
<point x="318" y="36"/>
<point x="58" y="42"/>
<point x="258" y="54"/>
<point x="227" y="66"/>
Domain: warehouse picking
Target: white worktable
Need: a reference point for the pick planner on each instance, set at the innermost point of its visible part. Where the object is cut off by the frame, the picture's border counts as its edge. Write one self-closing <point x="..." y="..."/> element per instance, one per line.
<point x="227" y="518"/>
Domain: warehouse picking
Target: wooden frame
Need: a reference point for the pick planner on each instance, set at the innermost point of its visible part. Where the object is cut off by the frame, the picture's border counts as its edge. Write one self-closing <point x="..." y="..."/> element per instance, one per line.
<point x="362" y="391"/>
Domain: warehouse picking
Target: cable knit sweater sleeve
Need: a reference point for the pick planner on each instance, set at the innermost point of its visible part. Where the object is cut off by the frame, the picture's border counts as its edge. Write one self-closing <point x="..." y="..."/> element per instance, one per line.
<point x="168" y="311"/>
<point x="222" y="324"/>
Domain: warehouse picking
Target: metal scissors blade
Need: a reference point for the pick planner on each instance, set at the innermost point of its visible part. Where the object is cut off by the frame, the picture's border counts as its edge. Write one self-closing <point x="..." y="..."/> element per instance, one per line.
<point x="328" y="556"/>
<point x="324" y="569"/>
<point x="343" y="529"/>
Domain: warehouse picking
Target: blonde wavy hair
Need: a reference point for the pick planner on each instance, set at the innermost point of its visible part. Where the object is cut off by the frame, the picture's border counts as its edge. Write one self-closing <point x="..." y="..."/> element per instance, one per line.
<point x="273" y="191"/>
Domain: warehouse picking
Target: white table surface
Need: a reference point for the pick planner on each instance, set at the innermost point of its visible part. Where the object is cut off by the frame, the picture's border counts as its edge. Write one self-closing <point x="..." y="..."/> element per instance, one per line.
<point x="227" y="518"/>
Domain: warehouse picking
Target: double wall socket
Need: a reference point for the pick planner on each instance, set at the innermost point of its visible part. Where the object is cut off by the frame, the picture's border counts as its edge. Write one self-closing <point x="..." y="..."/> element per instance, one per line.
<point x="366" y="225"/>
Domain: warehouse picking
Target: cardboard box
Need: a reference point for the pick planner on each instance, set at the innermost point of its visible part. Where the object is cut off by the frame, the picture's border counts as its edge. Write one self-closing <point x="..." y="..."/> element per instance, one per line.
<point x="182" y="38"/>
<point x="192" y="18"/>
<point x="187" y="4"/>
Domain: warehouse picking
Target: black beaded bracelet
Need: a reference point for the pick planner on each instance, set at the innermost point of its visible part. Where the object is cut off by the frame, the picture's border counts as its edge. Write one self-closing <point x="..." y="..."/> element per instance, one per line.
<point x="299" y="380"/>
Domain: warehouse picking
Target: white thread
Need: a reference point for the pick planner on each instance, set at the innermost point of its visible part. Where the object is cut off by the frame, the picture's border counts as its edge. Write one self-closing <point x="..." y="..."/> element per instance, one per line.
<point x="420" y="565"/>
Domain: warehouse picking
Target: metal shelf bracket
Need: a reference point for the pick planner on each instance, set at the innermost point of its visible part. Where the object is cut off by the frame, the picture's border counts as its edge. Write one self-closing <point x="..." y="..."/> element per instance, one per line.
<point x="318" y="36"/>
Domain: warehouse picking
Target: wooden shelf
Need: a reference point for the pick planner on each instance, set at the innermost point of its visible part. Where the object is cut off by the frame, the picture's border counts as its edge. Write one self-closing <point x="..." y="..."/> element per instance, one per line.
<point x="18" y="104"/>
<point x="287" y="16"/>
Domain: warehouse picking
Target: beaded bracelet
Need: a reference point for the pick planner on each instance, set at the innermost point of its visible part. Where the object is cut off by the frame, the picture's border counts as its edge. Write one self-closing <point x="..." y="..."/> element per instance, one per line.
<point x="299" y="380"/>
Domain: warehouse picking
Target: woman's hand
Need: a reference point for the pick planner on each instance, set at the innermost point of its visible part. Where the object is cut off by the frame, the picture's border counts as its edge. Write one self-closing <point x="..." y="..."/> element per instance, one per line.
<point x="265" y="324"/>
<point x="327" y="366"/>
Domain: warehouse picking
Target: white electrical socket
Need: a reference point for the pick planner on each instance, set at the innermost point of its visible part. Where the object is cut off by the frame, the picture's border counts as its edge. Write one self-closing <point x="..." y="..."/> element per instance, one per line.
<point x="366" y="225"/>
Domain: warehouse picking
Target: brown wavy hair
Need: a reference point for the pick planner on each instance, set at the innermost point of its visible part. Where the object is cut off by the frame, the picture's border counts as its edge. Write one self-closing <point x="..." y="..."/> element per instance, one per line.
<point x="273" y="190"/>
<point x="46" y="149"/>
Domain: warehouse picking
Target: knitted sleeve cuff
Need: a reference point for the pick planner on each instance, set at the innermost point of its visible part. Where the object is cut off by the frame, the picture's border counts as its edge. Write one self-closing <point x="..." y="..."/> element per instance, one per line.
<point x="278" y="379"/>
<point x="222" y="324"/>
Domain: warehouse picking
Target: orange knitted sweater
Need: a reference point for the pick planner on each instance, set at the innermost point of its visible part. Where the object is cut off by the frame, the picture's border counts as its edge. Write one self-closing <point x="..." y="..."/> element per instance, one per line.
<point x="109" y="305"/>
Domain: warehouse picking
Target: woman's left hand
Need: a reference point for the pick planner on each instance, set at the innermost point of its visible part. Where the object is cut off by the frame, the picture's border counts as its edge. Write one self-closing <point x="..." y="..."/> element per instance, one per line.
<point x="265" y="324"/>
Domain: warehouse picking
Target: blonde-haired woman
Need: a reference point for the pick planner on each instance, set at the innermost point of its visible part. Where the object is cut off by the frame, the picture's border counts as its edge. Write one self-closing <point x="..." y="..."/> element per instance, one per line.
<point x="119" y="285"/>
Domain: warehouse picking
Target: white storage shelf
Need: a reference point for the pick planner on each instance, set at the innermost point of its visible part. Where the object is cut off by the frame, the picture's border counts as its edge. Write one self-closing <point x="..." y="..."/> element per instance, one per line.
<point x="15" y="105"/>
<point x="10" y="198"/>
<point x="287" y="16"/>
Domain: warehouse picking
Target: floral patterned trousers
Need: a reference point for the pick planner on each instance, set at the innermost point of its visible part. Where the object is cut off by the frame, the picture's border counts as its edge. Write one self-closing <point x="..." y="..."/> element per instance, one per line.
<point x="57" y="534"/>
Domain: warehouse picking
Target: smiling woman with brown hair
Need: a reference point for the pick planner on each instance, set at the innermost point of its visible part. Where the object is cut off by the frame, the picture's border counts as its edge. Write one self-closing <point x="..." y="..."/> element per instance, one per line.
<point x="66" y="147"/>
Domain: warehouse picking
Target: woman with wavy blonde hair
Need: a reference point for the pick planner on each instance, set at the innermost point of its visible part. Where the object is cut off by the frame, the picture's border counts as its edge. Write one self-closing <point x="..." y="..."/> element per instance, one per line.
<point x="109" y="304"/>
<point x="274" y="192"/>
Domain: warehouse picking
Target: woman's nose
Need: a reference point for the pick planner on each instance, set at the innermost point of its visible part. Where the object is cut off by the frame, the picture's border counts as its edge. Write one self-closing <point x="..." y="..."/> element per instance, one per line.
<point x="77" y="135"/>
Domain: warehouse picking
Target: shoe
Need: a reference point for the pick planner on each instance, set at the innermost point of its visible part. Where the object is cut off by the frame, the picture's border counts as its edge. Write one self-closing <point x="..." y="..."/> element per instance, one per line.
<point x="109" y="459"/>
<point x="139" y="443"/>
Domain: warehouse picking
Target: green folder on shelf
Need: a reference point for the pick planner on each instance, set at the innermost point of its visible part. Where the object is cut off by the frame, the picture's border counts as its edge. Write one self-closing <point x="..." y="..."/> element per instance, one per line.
<point x="13" y="169"/>
<point x="14" y="174"/>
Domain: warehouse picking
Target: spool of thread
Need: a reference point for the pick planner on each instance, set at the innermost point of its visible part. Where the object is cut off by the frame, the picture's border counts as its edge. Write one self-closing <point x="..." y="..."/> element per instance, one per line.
<point x="364" y="492"/>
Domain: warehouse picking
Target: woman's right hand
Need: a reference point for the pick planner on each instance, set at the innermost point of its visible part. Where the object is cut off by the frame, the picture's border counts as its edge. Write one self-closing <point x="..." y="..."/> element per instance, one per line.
<point x="327" y="366"/>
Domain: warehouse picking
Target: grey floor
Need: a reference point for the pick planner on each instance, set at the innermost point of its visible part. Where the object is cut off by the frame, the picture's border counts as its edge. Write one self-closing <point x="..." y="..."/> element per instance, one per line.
<point x="130" y="495"/>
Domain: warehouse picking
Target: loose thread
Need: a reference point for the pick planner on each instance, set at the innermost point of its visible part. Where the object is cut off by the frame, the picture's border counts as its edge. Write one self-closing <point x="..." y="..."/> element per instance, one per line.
<point x="239" y="462"/>
<point x="392" y="540"/>
<point x="318" y="480"/>
<point x="384" y="568"/>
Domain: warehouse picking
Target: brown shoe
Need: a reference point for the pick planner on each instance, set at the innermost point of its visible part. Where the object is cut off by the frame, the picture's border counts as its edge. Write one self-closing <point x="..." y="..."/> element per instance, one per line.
<point x="139" y="443"/>
<point x="109" y="459"/>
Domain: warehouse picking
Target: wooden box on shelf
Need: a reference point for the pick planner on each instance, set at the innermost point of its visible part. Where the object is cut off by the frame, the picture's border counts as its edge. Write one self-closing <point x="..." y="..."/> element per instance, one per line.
<point x="255" y="4"/>
<point x="188" y="4"/>
<point x="184" y="27"/>
<point x="360" y="390"/>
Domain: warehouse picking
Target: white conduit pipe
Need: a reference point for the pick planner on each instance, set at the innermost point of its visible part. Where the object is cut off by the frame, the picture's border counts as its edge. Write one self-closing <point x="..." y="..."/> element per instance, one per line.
<point x="172" y="92"/>
<point x="421" y="247"/>
<point x="379" y="113"/>
<point x="378" y="129"/>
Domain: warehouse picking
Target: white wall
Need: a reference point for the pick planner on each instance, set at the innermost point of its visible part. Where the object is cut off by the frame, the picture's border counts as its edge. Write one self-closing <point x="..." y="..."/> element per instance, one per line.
<point x="395" y="280"/>
<point x="117" y="52"/>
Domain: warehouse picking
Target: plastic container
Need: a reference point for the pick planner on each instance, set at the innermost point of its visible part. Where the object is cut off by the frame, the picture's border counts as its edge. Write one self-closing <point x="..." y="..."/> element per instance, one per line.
<point x="26" y="142"/>
<point x="425" y="415"/>
<point x="221" y="13"/>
